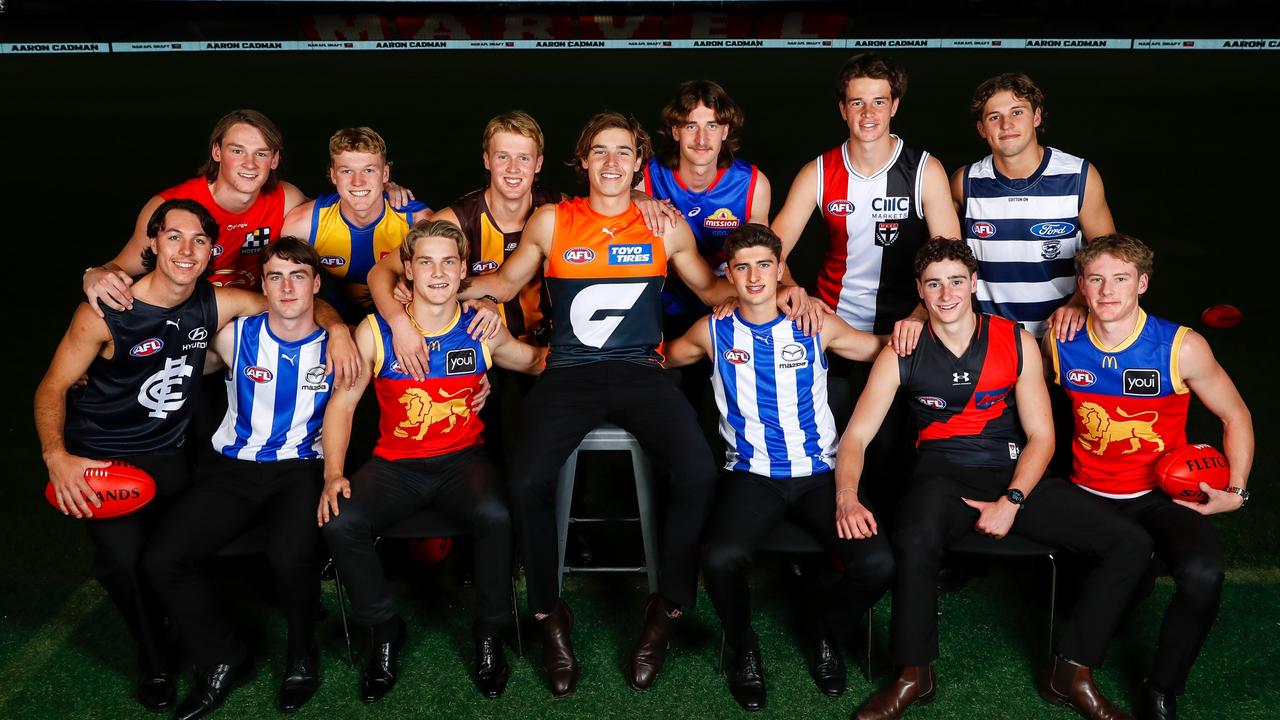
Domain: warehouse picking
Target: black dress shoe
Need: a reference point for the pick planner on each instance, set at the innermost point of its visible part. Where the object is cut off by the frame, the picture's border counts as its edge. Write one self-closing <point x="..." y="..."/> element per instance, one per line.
<point x="828" y="667"/>
<point x="491" y="667"/>
<point x="156" y="691"/>
<point x="211" y="688"/>
<point x="380" y="671"/>
<point x="746" y="679"/>
<point x="302" y="678"/>
<point x="1157" y="704"/>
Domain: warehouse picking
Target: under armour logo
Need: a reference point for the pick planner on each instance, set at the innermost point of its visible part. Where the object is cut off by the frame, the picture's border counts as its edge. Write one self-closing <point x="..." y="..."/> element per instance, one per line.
<point x="609" y="232"/>
<point x="293" y="359"/>
<point x="162" y="392"/>
<point x="173" y="323"/>
<point x="959" y="377"/>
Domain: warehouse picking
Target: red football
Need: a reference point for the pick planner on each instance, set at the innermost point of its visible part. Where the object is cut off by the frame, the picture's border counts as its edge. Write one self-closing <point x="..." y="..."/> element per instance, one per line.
<point x="1222" y="316"/>
<point x="1182" y="469"/>
<point x="122" y="488"/>
<point x="430" y="551"/>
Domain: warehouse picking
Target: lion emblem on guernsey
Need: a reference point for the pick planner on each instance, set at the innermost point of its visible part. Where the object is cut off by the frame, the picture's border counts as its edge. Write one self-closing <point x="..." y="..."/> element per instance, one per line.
<point x="422" y="411"/>
<point x="1100" y="430"/>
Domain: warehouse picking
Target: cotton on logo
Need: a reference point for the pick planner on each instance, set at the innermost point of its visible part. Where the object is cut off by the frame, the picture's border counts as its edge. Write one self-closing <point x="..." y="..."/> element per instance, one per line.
<point x="598" y="310"/>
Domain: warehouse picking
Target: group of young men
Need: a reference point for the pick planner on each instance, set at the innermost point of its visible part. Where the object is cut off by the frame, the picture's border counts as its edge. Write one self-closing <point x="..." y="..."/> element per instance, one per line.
<point x="932" y="407"/>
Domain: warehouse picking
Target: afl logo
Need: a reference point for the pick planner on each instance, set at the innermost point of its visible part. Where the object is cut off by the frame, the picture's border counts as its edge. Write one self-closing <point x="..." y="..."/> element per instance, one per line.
<point x="217" y="250"/>
<point x="936" y="403"/>
<point x="984" y="230"/>
<point x="840" y="208"/>
<point x="1083" y="378"/>
<point x="258" y="374"/>
<point x="1052" y="229"/>
<point x="484" y="267"/>
<point x="579" y="255"/>
<point x="150" y="346"/>
<point x="736" y="356"/>
<point x="332" y="261"/>
<point x="397" y="368"/>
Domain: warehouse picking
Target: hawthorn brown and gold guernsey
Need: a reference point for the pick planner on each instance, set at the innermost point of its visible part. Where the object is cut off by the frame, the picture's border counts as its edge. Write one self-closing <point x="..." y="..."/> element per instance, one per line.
<point x="604" y="277"/>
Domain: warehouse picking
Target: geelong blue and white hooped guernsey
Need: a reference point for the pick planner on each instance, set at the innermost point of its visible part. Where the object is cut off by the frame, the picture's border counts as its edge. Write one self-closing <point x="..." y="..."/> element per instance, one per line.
<point x="1025" y="234"/>
<point x="276" y="395"/>
<point x="770" y="384"/>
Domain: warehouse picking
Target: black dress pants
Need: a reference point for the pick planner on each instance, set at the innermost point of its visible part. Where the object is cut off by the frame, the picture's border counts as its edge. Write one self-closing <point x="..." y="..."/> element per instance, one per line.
<point x="749" y="507"/>
<point x="933" y="517"/>
<point x="227" y="499"/>
<point x="568" y="402"/>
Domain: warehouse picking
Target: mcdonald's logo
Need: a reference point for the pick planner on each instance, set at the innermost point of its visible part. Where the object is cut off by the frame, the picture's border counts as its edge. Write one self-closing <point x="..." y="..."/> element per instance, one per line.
<point x="1109" y="361"/>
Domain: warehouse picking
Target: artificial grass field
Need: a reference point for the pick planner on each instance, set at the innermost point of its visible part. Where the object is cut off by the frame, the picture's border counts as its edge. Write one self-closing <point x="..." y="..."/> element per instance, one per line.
<point x="1182" y="141"/>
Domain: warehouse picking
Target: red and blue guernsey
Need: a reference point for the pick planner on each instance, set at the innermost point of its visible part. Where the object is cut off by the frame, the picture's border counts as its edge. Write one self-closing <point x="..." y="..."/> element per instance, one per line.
<point x="712" y="214"/>
<point x="1128" y="402"/>
<point x="421" y="419"/>
<point x="964" y="407"/>
<point x="276" y="394"/>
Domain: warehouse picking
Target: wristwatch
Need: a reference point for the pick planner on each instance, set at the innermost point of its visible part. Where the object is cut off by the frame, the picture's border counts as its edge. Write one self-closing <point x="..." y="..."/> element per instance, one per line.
<point x="1243" y="493"/>
<point x="1016" y="497"/>
<point x="492" y="299"/>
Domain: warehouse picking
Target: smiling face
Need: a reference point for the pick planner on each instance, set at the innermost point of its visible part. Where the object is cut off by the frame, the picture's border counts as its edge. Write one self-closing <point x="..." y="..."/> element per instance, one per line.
<point x="436" y="270"/>
<point x="755" y="272"/>
<point x="182" y="248"/>
<point x="244" y="158"/>
<point x="1111" y="287"/>
<point x="513" y="163"/>
<point x="867" y="108"/>
<point x="946" y="288"/>
<point x="1008" y="123"/>
<point x="612" y="162"/>
<point x="359" y="178"/>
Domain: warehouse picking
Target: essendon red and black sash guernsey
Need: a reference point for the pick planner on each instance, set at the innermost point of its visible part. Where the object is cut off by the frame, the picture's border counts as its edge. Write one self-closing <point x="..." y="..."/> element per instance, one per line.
<point x="964" y="406"/>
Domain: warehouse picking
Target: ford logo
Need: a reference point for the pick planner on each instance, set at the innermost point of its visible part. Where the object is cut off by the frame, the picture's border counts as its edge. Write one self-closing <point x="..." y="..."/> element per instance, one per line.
<point x="1052" y="229"/>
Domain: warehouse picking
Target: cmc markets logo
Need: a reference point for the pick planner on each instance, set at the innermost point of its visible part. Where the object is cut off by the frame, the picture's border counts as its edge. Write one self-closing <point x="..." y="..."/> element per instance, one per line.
<point x="258" y="374"/>
<point x="983" y="230"/>
<point x="579" y="255"/>
<point x="1083" y="378"/>
<point x="1052" y="229"/>
<point x="840" y="208"/>
<point x="150" y="346"/>
<point x="736" y="356"/>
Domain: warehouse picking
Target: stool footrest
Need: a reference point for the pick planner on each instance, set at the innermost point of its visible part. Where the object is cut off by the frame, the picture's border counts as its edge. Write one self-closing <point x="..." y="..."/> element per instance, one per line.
<point x="606" y="568"/>
<point x="602" y="519"/>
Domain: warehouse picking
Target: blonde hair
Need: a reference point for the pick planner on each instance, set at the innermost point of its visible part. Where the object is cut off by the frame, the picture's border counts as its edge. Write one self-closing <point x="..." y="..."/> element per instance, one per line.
<point x="516" y="122"/>
<point x="357" y="139"/>
<point x="1119" y="246"/>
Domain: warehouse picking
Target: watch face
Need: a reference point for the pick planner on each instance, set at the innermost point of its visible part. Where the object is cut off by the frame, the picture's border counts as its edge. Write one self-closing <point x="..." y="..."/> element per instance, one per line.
<point x="1015" y="496"/>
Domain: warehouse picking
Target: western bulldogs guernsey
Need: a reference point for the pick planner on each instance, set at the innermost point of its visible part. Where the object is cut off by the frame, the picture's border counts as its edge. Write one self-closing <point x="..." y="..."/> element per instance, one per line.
<point x="712" y="215"/>
<point x="1025" y="233"/>
<point x="240" y="235"/>
<point x="604" y="277"/>
<point x="420" y="419"/>
<point x="276" y="395"/>
<point x="1128" y="402"/>
<point x="770" y="385"/>
<point x="875" y="223"/>
<point x="964" y="408"/>
<point x="348" y="251"/>
<point x="141" y="400"/>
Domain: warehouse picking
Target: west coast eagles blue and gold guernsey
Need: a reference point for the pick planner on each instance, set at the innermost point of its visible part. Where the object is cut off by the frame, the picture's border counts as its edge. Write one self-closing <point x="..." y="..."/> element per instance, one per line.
<point x="420" y="419"/>
<point x="349" y="251"/>
<point x="712" y="214"/>
<point x="770" y="384"/>
<point x="604" y="277"/>
<point x="1128" y="402"/>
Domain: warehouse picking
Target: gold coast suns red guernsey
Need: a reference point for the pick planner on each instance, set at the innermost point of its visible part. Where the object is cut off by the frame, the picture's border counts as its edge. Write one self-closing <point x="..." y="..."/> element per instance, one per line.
<point x="429" y="417"/>
<point x="241" y="236"/>
<point x="964" y="407"/>
<point x="604" y="277"/>
<point x="1128" y="403"/>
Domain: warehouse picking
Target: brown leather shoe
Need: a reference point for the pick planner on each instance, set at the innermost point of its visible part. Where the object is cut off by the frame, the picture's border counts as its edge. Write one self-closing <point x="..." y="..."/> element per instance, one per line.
<point x="651" y="650"/>
<point x="558" y="661"/>
<point x="1071" y="685"/>
<point x="916" y="684"/>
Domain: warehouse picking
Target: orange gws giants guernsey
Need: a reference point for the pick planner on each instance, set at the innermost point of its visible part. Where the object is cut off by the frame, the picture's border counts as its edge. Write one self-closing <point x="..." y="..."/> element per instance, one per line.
<point x="604" y="276"/>
<point x="1128" y="402"/>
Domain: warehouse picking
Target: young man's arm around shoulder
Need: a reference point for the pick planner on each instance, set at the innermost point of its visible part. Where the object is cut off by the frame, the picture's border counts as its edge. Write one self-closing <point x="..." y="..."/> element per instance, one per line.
<point x="842" y="339"/>
<point x="110" y="282"/>
<point x="691" y="347"/>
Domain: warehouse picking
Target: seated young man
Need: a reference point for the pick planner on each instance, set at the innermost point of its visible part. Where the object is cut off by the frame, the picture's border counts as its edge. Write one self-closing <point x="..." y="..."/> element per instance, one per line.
<point x="770" y="385"/>
<point x="1107" y="373"/>
<point x="977" y="394"/>
<point x="428" y="452"/>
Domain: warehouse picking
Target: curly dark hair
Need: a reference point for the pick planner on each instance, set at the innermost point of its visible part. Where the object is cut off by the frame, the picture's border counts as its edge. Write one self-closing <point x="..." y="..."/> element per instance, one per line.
<point x="939" y="249"/>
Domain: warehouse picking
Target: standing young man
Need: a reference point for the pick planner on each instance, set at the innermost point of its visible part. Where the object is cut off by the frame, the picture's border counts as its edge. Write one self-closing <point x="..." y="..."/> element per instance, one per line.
<point x="1027" y="209"/>
<point x="428" y="452"/>
<point x="143" y="367"/>
<point x="981" y="410"/>
<point x="769" y="380"/>
<point x="1130" y="367"/>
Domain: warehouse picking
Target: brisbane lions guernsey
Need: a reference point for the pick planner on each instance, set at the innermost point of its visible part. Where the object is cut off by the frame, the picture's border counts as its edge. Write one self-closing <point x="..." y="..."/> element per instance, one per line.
<point x="526" y="314"/>
<point x="1128" y="402"/>
<point x="142" y="399"/>
<point x="421" y="419"/>
<point x="604" y="276"/>
<point x="770" y="384"/>
<point x="276" y="394"/>
<point x="712" y="214"/>
<point x="964" y="407"/>
<point x="241" y="236"/>
<point x="875" y="223"/>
